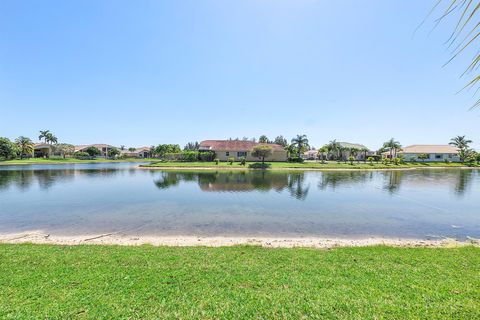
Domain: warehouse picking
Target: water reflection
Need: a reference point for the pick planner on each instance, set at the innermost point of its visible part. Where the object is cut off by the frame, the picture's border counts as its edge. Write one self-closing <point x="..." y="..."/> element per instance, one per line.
<point x="238" y="181"/>
<point x="46" y="179"/>
<point x="118" y="198"/>
<point x="333" y="180"/>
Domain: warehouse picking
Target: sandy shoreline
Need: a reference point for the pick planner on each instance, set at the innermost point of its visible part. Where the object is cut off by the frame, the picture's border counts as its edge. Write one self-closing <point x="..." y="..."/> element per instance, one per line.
<point x="39" y="237"/>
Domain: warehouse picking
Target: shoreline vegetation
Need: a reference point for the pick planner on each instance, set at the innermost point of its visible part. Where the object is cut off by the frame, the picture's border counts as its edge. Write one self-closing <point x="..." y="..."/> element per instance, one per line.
<point x="30" y="161"/>
<point x="307" y="165"/>
<point x="106" y="282"/>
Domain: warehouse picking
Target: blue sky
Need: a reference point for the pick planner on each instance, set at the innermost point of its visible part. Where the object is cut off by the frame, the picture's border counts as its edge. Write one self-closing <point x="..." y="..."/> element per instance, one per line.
<point x="149" y="72"/>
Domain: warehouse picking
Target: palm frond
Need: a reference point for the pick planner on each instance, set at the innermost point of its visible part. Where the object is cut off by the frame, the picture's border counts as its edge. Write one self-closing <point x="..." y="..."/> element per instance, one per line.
<point x="464" y="35"/>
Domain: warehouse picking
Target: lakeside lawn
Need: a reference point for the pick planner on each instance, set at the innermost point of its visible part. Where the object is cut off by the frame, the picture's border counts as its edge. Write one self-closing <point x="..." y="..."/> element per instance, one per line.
<point x="107" y="282"/>
<point x="304" y="165"/>
<point x="67" y="160"/>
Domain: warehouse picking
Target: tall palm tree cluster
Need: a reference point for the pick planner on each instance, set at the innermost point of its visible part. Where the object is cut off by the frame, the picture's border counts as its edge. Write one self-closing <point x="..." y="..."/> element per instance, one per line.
<point x="392" y="147"/>
<point x="47" y="137"/>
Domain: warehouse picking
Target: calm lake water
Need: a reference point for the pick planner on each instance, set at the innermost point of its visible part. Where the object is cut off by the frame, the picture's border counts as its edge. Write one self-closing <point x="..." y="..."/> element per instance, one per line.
<point x="101" y="198"/>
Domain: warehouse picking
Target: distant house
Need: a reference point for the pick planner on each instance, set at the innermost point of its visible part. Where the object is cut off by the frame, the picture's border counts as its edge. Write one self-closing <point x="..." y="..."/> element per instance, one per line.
<point x="236" y="149"/>
<point x="310" y="155"/>
<point x="361" y="155"/>
<point x="143" y="152"/>
<point x="42" y="150"/>
<point x="434" y="152"/>
<point x="104" y="148"/>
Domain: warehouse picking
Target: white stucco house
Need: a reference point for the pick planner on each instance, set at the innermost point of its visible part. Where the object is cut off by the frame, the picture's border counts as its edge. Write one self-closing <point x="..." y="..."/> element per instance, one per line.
<point x="434" y="152"/>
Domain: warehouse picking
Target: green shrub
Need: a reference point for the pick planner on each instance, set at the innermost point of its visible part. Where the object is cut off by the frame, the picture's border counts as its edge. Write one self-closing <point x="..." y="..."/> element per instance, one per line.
<point x="81" y="155"/>
<point x="189" y="156"/>
<point x="206" y="155"/>
<point x="470" y="160"/>
<point x="230" y="160"/>
<point x="446" y="161"/>
<point x="351" y="159"/>
<point x="413" y="159"/>
<point x="370" y="160"/>
<point x="397" y="161"/>
<point x="295" y="159"/>
<point x="216" y="161"/>
<point x="243" y="161"/>
<point x="258" y="165"/>
<point x="93" y="151"/>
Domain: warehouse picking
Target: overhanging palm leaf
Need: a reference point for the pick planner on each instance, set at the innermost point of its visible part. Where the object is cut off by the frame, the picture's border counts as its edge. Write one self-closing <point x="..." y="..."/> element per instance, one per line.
<point x="465" y="34"/>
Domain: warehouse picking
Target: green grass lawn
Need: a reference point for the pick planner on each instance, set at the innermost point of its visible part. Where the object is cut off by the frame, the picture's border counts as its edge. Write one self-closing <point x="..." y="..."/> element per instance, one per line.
<point x="67" y="160"/>
<point x="113" y="282"/>
<point x="305" y="165"/>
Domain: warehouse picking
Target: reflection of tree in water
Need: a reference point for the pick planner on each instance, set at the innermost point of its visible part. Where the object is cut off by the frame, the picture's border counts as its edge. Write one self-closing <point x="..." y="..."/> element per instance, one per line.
<point x="297" y="187"/>
<point x="464" y="181"/>
<point x="343" y="178"/>
<point x="238" y="181"/>
<point x="393" y="180"/>
<point x="23" y="179"/>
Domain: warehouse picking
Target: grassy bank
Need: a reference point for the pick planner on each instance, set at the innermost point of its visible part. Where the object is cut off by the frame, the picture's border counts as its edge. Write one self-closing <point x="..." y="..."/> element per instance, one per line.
<point x="67" y="160"/>
<point x="93" y="282"/>
<point x="305" y="165"/>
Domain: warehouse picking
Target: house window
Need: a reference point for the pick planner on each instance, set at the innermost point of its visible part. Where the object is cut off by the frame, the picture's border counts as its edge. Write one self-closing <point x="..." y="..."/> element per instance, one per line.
<point x="438" y="156"/>
<point x="241" y="154"/>
<point x="227" y="153"/>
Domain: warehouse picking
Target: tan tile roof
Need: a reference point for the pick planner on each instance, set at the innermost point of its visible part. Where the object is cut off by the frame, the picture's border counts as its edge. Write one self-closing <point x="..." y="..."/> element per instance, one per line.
<point x="98" y="146"/>
<point x="425" y="148"/>
<point x="235" y="145"/>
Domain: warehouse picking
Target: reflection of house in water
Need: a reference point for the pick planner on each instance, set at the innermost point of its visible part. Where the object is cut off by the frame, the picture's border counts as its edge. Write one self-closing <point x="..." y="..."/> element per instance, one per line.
<point x="235" y="181"/>
<point x="458" y="180"/>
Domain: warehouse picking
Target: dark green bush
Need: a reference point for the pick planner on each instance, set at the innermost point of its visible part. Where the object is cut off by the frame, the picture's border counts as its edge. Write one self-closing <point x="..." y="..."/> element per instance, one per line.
<point x="295" y="159"/>
<point x="259" y="165"/>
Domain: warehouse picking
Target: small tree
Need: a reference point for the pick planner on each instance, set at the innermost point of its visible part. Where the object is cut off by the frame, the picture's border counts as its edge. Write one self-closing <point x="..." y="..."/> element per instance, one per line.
<point x="8" y="149"/>
<point x="64" y="149"/>
<point x="370" y="160"/>
<point x="351" y="159"/>
<point x="25" y="146"/>
<point x="112" y="153"/>
<point x="92" y="151"/>
<point x="262" y="152"/>
<point x="423" y="156"/>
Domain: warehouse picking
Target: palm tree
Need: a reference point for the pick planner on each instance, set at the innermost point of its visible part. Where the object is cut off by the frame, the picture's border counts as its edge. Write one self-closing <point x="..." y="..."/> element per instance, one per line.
<point x="51" y="138"/>
<point x="301" y="142"/>
<point x="353" y="152"/>
<point x="321" y="153"/>
<point x="334" y="148"/>
<point x="25" y="145"/>
<point x="263" y="139"/>
<point x="392" y="146"/>
<point x="122" y="147"/>
<point x="44" y="135"/>
<point x="462" y="144"/>
<point x="364" y="150"/>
